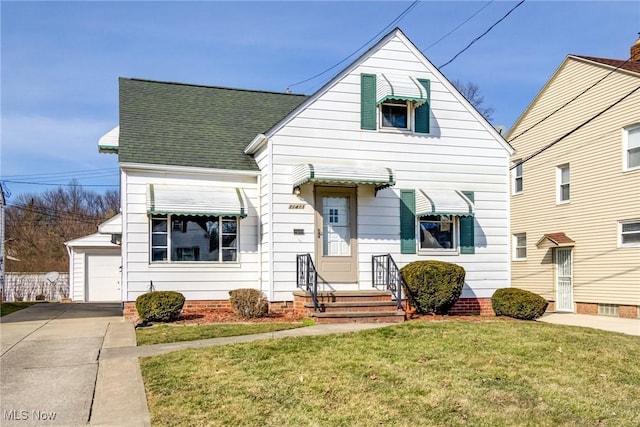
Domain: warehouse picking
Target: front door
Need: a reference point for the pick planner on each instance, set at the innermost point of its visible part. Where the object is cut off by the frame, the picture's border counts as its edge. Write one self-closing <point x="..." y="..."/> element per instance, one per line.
<point x="564" y="281"/>
<point x="336" y="240"/>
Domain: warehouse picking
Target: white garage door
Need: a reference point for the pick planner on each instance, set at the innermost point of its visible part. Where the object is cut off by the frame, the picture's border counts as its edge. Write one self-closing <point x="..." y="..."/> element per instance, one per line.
<point x="103" y="277"/>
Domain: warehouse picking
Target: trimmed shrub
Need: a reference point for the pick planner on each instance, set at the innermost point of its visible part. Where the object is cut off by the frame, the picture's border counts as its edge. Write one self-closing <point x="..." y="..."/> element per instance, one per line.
<point x="159" y="306"/>
<point x="432" y="286"/>
<point x="518" y="303"/>
<point x="248" y="303"/>
<point x="40" y="297"/>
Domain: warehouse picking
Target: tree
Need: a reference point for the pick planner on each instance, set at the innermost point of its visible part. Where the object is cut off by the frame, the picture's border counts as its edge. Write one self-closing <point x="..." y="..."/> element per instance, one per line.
<point x="471" y="91"/>
<point x="37" y="225"/>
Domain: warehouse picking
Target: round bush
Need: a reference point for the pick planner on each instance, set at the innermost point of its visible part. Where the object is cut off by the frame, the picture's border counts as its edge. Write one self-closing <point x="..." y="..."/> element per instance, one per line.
<point x="432" y="286"/>
<point x="518" y="303"/>
<point x="159" y="306"/>
<point x="248" y="303"/>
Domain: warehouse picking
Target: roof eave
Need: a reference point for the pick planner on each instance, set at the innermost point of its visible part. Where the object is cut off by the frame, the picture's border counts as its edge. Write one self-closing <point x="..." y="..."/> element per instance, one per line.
<point x="255" y="144"/>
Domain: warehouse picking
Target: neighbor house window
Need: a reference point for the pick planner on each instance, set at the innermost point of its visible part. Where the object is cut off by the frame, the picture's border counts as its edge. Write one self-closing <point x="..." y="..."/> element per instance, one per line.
<point x="193" y="238"/>
<point x="437" y="232"/>
<point x="520" y="246"/>
<point x="563" y="178"/>
<point x="517" y="177"/>
<point x="631" y="140"/>
<point x="630" y="233"/>
<point x="395" y="114"/>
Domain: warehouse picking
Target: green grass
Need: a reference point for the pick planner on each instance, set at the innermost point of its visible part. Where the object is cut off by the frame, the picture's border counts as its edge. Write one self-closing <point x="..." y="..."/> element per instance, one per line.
<point x="160" y="334"/>
<point x="11" y="307"/>
<point x="450" y="373"/>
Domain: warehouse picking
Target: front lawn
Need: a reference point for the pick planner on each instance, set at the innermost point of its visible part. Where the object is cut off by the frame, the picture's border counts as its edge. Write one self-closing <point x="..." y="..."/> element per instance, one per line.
<point x="173" y="333"/>
<point x="450" y="373"/>
<point x="10" y="307"/>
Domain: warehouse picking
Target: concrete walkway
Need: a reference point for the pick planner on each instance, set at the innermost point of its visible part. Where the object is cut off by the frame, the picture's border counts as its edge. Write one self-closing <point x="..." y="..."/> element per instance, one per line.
<point x="611" y="324"/>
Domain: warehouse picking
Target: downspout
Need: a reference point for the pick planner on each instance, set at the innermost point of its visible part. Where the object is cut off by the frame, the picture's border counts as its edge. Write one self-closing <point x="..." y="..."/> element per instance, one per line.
<point x="270" y="201"/>
<point x="260" y="232"/>
<point x="71" y="278"/>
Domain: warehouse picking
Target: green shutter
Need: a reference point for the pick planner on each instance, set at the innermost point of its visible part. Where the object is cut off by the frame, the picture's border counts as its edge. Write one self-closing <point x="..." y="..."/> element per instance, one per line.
<point x="467" y="231"/>
<point x="407" y="221"/>
<point x="368" y="101"/>
<point x="422" y="112"/>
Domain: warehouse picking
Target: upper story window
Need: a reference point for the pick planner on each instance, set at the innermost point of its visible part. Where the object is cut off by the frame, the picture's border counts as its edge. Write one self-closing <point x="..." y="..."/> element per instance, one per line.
<point x="563" y="178"/>
<point x="631" y="142"/>
<point x="193" y="238"/>
<point x="394" y="102"/>
<point x="630" y="233"/>
<point x="395" y="114"/>
<point x="520" y="246"/>
<point x="517" y="177"/>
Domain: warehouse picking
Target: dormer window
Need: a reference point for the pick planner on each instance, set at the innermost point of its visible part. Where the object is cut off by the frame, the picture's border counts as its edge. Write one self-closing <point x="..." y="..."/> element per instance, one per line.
<point x="394" y="114"/>
<point x="397" y="102"/>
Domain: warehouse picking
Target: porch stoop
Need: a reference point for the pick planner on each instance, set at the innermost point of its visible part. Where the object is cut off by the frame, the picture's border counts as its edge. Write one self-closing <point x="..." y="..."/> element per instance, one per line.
<point x="350" y="306"/>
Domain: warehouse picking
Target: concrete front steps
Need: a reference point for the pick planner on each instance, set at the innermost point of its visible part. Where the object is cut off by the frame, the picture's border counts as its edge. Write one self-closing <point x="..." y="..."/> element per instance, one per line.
<point x="350" y="306"/>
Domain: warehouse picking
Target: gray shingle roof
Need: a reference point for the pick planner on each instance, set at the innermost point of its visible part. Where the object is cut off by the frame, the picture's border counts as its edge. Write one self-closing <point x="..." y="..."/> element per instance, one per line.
<point x="187" y="125"/>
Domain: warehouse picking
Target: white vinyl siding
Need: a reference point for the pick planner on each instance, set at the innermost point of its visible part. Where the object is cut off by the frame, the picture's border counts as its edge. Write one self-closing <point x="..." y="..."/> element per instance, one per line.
<point x="196" y="280"/>
<point x="459" y="153"/>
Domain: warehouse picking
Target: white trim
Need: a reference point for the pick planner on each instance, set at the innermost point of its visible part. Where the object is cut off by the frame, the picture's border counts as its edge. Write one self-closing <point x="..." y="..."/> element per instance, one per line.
<point x="625" y="148"/>
<point x="619" y="233"/>
<point x="455" y="250"/>
<point x="559" y="184"/>
<point x="257" y="143"/>
<point x="514" y="176"/>
<point x="514" y="243"/>
<point x="186" y="169"/>
<point x="433" y="69"/>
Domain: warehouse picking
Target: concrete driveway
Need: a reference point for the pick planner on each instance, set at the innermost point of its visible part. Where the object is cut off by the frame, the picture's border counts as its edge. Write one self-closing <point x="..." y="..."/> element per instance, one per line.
<point x="49" y="362"/>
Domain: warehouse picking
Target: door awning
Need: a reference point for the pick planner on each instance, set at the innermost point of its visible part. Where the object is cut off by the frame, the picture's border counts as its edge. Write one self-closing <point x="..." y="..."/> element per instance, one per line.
<point x="405" y="88"/>
<point x="555" y="240"/>
<point x="443" y="202"/>
<point x="380" y="177"/>
<point x="187" y="200"/>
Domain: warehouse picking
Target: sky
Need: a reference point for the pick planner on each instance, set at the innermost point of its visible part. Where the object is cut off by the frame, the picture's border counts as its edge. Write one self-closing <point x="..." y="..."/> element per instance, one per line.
<point x="60" y="61"/>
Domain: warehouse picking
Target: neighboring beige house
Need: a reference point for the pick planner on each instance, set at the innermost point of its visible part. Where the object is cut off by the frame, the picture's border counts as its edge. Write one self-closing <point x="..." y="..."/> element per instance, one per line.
<point x="575" y="188"/>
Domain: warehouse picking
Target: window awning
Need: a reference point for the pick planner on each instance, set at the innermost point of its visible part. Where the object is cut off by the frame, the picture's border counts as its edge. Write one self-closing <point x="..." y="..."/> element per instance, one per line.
<point x="380" y="177"/>
<point x="406" y="88"/>
<point x="555" y="240"/>
<point x="443" y="202"/>
<point x="184" y="200"/>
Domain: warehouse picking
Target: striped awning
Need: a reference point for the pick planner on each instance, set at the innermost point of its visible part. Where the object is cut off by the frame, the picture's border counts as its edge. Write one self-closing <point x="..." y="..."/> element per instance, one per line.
<point x="443" y="202"/>
<point x="405" y="88"/>
<point x="306" y="172"/>
<point x="187" y="200"/>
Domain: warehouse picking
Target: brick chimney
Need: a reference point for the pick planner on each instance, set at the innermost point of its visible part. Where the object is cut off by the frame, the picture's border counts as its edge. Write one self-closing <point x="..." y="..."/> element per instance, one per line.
<point x="635" y="50"/>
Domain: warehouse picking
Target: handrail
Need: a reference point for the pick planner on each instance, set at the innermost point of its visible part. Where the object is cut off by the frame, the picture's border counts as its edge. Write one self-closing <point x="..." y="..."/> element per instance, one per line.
<point x="385" y="272"/>
<point x="307" y="277"/>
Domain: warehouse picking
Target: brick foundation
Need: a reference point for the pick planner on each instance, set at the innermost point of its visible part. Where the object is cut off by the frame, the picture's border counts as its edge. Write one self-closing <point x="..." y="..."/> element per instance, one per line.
<point x="472" y="307"/>
<point x="130" y="313"/>
<point x="624" y="311"/>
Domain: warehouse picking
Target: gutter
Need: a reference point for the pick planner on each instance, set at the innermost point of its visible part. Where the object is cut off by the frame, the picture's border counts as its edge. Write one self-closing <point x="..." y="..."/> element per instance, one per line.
<point x="256" y="144"/>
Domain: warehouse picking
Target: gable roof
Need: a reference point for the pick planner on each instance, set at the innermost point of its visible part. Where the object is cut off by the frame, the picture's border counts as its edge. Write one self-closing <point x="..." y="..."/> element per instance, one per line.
<point x="633" y="66"/>
<point x="396" y="32"/>
<point x="180" y="124"/>
<point x="623" y="65"/>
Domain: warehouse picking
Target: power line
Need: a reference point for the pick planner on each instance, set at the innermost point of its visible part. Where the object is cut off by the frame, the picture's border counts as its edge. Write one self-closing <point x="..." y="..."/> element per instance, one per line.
<point x="481" y="35"/>
<point x="62" y="174"/>
<point x="546" y="147"/>
<point x="459" y="25"/>
<point x="569" y="102"/>
<point x="58" y="184"/>
<point x="396" y="20"/>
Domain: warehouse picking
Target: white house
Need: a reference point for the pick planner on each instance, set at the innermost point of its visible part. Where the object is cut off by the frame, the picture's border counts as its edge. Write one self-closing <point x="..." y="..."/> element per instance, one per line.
<point x="227" y="188"/>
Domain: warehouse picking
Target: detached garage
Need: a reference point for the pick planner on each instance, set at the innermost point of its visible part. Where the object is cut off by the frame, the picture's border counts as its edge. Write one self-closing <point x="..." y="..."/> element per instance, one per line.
<point x="94" y="264"/>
